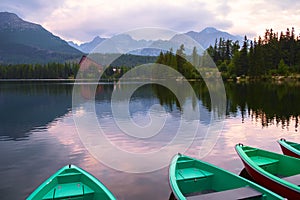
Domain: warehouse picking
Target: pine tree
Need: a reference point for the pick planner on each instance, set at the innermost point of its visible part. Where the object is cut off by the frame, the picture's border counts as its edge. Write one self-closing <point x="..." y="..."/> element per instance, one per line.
<point x="180" y="58"/>
<point x="195" y="57"/>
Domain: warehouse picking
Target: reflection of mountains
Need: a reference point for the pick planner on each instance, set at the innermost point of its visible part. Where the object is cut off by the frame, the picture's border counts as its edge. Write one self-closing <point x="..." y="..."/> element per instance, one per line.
<point x="144" y="98"/>
<point x="28" y="106"/>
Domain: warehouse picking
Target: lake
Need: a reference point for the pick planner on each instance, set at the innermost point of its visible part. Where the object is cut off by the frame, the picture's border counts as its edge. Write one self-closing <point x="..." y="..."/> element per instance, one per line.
<point x="40" y="131"/>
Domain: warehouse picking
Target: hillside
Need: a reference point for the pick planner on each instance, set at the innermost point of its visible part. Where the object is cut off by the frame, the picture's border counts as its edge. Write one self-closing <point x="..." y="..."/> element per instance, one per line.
<point x="26" y="42"/>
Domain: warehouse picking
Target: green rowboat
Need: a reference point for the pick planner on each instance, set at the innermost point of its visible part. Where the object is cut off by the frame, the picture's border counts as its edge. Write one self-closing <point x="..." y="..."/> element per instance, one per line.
<point x="277" y="172"/>
<point x="71" y="182"/>
<point x="194" y="179"/>
<point x="289" y="148"/>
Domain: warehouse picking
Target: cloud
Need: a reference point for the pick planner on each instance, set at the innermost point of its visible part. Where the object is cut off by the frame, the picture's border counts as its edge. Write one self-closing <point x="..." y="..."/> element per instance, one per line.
<point x="115" y="17"/>
<point x="254" y="17"/>
<point x="81" y="21"/>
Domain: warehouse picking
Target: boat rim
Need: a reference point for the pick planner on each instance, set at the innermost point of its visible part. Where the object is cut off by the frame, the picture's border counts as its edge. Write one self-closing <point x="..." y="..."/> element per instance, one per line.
<point x="283" y="141"/>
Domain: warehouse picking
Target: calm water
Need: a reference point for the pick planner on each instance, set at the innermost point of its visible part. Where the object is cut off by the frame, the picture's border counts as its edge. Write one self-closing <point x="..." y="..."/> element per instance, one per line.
<point x="38" y="134"/>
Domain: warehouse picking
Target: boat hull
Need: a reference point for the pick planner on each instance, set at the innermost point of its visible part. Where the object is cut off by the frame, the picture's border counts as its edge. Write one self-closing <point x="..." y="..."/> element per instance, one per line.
<point x="270" y="184"/>
<point x="288" y="149"/>
<point x="271" y="170"/>
<point x="190" y="178"/>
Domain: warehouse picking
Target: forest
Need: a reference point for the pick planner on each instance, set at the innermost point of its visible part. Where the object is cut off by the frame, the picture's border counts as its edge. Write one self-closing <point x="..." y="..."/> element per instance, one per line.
<point x="39" y="71"/>
<point x="273" y="54"/>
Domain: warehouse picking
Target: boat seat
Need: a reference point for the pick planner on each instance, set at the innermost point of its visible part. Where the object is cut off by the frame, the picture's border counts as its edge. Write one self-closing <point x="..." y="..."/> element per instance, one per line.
<point x="238" y="193"/>
<point x="293" y="179"/>
<point x="62" y="191"/>
<point x="192" y="173"/>
<point x="262" y="161"/>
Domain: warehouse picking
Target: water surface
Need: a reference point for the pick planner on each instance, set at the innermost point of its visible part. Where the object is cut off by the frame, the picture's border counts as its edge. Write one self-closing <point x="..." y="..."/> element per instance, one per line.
<point x="38" y="134"/>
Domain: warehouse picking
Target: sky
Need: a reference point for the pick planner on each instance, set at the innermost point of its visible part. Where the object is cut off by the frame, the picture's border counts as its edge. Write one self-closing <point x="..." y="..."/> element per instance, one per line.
<point x="81" y="21"/>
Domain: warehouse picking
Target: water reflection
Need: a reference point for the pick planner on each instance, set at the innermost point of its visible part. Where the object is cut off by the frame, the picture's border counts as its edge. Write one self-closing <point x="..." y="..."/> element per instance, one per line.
<point x="40" y="114"/>
<point x="28" y="106"/>
<point x="170" y="139"/>
<point x="269" y="103"/>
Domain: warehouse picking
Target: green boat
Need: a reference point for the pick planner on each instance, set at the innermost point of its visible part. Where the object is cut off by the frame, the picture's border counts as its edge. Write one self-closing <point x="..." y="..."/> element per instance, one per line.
<point x="277" y="172"/>
<point x="289" y="148"/>
<point x="193" y="179"/>
<point x="71" y="182"/>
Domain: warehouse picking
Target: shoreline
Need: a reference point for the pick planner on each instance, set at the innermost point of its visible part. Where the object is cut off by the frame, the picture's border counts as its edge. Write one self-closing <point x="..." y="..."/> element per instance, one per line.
<point x="241" y="79"/>
<point x="271" y="79"/>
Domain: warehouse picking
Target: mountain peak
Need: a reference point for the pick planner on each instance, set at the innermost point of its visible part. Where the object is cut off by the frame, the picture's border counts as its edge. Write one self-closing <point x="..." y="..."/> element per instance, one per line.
<point x="12" y="21"/>
<point x="210" y="30"/>
<point x="97" y="39"/>
<point x="6" y="18"/>
<point x="8" y="14"/>
<point x="208" y="36"/>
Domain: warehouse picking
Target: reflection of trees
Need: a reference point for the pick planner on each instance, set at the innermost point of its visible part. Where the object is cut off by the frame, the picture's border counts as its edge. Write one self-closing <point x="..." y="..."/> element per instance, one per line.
<point x="267" y="102"/>
<point x="271" y="103"/>
<point x="166" y="97"/>
<point x="26" y="106"/>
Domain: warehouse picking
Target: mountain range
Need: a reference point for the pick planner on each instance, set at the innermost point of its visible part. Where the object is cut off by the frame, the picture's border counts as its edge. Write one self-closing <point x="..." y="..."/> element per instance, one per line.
<point x="23" y="42"/>
<point x="125" y="42"/>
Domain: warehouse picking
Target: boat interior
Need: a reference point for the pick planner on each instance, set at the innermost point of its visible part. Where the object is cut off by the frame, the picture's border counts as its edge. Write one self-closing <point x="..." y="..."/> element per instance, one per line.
<point x="197" y="182"/>
<point x="70" y="180"/>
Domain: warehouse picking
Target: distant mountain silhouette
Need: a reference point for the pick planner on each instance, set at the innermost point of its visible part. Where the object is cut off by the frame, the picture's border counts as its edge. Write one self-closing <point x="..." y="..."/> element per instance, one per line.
<point x="88" y="46"/>
<point x="209" y="35"/>
<point x="26" y="42"/>
<point x="124" y="43"/>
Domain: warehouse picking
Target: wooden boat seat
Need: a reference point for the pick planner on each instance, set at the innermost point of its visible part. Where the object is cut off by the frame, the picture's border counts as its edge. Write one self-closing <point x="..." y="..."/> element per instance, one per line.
<point x="62" y="191"/>
<point x="192" y="173"/>
<point x="262" y="161"/>
<point x="238" y="193"/>
<point x="293" y="179"/>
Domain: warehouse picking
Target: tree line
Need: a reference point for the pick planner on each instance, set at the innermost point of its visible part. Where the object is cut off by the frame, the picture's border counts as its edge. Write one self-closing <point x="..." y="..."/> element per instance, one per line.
<point x="272" y="54"/>
<point x="39" y="71"/>
<point x="179" y="62"/>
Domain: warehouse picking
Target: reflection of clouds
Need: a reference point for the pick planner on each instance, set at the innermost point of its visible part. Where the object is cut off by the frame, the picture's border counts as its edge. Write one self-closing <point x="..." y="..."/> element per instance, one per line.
<point x="147" y="186"/>
<point x="110" y="142"/>
<point x="122" y="140"/>
<point x="79" y="112"/>
<point x="249" y="133"/>
<point x="64" y="132"/>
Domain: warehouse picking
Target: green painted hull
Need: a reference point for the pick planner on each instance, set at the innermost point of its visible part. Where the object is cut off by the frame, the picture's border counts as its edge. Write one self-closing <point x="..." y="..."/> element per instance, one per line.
<point x="194" y="179"/>
<point x="71" y="182"/>
<point x="277" y="172"/>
